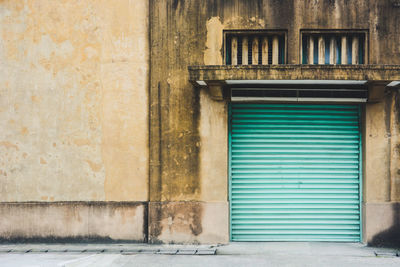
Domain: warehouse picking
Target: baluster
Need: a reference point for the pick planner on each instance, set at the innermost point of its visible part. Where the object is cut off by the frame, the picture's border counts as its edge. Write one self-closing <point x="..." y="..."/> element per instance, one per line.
<point x="344" y="50"/>
<point x="234" y="50"/>
<point x="354" y="50"/>
<point x="321" y="50"/>
<point x="311" y="50"/>
<point x="332" y="51"/>
<point x="255" y="51"/>
<point x="275" y="50"/>
<point x="245" y="50"/>
<point x="264" y="51"/>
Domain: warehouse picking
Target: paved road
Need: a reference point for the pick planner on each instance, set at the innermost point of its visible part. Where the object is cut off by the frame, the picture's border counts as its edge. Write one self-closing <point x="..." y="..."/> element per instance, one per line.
<point x="234" y="254"/>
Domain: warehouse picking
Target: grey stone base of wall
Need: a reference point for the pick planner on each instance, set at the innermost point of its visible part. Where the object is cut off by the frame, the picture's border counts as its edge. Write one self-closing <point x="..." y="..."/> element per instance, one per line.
<point x="189" y="222"/>
<point x="185" y="222"/>
<point x="182" y="222"/>
<point x="382" y="224"/>
<point x="73" y="222"/>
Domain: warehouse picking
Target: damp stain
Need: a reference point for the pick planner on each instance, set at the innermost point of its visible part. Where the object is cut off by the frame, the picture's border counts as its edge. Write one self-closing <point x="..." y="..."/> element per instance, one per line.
<point x="170" y="219"/>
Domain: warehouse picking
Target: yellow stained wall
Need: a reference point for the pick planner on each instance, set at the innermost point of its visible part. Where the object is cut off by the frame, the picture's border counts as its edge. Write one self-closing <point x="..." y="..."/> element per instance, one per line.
<point x="73" y="100"/>
<point x="188" y="132"/>
<point x="213" y="126"/>
<point x="377" y="179"/>
<point x="188" y="144"/>
<point x="74" y="103"/>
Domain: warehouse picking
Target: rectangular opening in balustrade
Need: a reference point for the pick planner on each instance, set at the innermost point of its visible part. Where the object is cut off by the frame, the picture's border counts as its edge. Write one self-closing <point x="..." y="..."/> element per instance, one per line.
<point x="255" y="47"/>
<point x="334" y="47"/>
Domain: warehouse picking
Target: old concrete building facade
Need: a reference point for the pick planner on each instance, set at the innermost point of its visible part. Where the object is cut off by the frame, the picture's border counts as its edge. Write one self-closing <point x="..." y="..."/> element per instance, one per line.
<point x="200" y="121"/>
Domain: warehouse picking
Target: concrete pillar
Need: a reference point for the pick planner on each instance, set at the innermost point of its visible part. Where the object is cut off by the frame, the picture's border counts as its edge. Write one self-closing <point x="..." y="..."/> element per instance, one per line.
<point x="216" y="91"/>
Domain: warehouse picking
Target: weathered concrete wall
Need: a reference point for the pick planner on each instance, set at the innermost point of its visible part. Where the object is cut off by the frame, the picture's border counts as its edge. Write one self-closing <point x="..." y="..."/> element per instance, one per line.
<point x="188" y="138"/>
<point x="74" y="119"/>
<point x="189" y="222"/>
<point x="377" y="173"/>
<point x="382" y="226"/>
<point x="395" y="146"/>
<point x="382" y="175"/>
<point x="213" y="131"/>
<point x="74" y="101"/>
<point x="74" y="109"/>
<point x="73" y="221"/>
<point x="382" y="155"/>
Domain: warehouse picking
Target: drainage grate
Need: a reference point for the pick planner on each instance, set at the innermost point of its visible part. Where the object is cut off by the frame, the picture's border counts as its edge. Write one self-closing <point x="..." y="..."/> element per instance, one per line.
<point x="387" y="254"/>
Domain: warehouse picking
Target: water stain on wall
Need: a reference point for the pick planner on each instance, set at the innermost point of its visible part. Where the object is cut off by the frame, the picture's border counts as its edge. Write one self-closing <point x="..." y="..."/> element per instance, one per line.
<point x="175" y="220"/>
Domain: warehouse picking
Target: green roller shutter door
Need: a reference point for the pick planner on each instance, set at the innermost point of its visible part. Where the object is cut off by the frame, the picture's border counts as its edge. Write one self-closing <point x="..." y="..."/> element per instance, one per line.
<point x="295" y="172"/>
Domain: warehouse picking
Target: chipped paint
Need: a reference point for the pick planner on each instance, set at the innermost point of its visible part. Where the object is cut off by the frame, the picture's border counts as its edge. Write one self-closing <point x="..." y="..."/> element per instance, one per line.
<point x="213" y="52"/>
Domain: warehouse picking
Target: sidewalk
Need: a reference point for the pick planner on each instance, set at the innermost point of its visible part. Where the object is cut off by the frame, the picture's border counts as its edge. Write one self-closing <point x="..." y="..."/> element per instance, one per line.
<point x="233" y="254"/>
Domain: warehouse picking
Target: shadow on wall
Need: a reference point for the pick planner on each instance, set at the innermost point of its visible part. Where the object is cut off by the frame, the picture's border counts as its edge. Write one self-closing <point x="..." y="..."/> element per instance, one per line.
<point x="391" y="236"/>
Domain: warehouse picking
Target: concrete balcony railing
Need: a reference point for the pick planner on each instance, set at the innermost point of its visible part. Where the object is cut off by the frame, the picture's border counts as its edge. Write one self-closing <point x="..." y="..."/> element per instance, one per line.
<point x="254" y="48"/>
<point x="333" y="48"/>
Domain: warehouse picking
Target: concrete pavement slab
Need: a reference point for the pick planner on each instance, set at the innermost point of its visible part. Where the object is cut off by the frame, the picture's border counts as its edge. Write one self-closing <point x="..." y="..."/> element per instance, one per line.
<point x="167" y="251"/>
<point x="69" y="260"/>
<point x="186" y="251"/>
<point x="206" y="251"/>
<point x="233" y="254"/>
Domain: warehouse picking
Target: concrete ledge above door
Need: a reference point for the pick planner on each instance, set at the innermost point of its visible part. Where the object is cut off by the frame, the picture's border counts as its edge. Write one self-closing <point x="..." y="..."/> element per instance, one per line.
<point x="217" y="78"/>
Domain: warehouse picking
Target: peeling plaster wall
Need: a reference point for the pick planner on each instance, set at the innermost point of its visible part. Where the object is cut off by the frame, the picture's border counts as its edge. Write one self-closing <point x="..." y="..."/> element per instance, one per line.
<point x="74" y="105"/>
<point x="213" y="130"/>
<point x="376" y="154"/>
<point x="73" y="100"/>
<point x="382" y="163"/>
<point x="188" y="132"/>
<point x="189" y="222"/>
<point x="185" y="33"/>
<point x="382" y="172"/>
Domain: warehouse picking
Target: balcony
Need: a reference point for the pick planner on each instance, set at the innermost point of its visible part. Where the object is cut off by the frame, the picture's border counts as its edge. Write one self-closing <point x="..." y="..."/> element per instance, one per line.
<point x="334" y="47"/>
<point x="255" y="47"/>
<point x="219" y="80"/>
